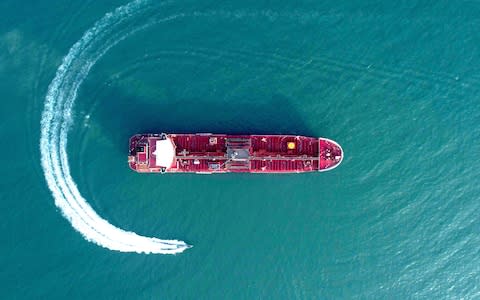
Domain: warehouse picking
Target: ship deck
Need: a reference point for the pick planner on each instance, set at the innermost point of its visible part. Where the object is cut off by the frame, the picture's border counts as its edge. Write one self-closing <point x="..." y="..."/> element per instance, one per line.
<point x="218" y="153"/>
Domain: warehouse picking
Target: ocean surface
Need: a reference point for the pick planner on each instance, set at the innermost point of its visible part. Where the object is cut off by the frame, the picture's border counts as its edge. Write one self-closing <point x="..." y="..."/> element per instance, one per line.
<point x="396" y="83"/>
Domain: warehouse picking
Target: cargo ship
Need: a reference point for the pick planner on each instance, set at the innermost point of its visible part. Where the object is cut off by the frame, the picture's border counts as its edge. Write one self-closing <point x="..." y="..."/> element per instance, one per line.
<point x="207" y="153"/>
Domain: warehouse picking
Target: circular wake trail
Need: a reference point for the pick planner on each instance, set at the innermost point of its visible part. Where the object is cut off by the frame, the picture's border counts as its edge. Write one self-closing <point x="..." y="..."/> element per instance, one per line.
<point x="55" y="123"/>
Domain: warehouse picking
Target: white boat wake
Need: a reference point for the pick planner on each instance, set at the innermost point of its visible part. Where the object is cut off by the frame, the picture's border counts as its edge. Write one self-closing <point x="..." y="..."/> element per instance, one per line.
<point x="55" y="123"/>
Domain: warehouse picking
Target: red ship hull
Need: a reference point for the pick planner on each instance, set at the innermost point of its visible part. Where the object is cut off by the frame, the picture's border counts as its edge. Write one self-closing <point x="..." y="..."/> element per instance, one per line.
<point x="221" y="153"/>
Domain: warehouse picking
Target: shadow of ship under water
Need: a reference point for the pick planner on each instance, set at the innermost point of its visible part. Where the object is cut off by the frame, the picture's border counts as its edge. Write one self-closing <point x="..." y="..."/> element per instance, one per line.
<point x="130" y="116"/>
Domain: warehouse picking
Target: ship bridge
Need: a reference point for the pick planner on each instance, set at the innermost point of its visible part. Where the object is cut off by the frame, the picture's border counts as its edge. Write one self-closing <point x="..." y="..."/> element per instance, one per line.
<point x="164" y="152"/>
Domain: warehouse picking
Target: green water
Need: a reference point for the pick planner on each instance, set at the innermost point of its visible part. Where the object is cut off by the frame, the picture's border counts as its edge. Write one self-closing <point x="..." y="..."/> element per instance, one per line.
<point x="396" y="84"/>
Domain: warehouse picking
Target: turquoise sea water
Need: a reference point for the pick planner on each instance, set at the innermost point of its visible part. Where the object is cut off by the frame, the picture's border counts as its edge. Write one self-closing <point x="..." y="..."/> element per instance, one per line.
<point x="397" y="84"/>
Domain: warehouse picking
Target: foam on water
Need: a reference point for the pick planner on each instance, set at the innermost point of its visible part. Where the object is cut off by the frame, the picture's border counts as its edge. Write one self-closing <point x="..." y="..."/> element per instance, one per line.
<point x="55" y="123"/>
